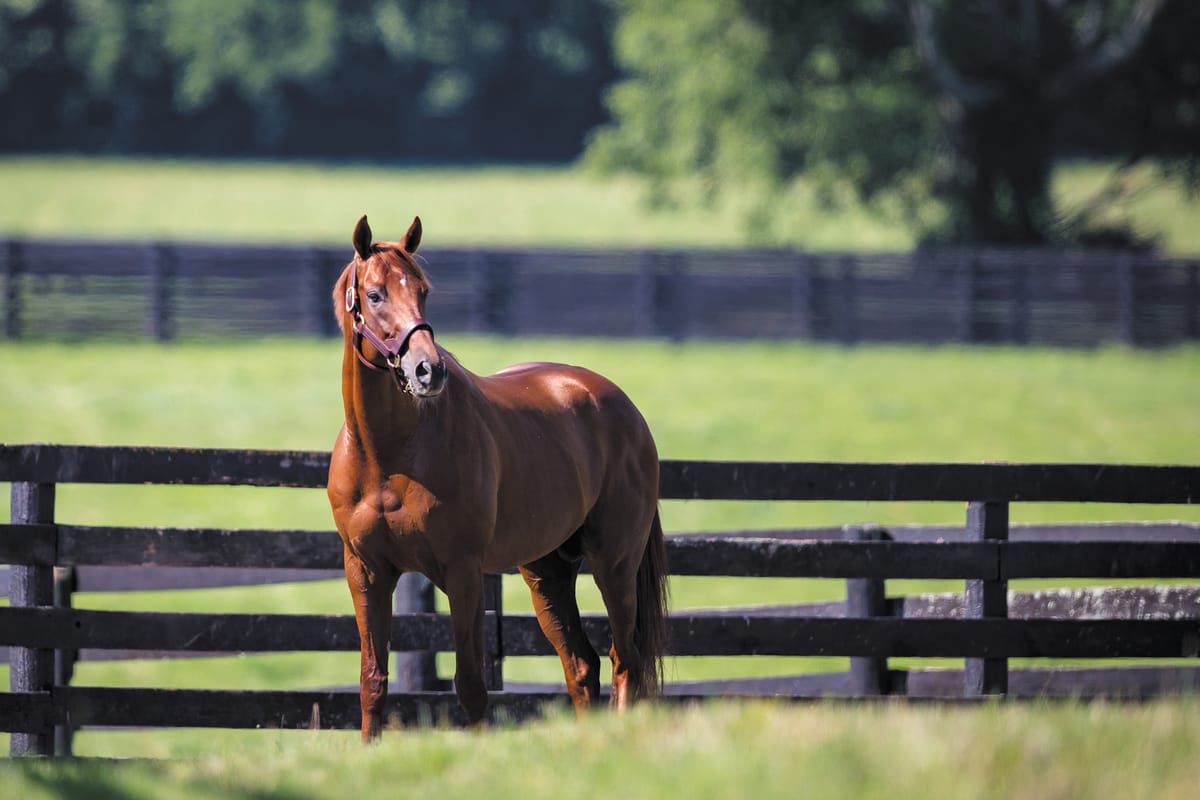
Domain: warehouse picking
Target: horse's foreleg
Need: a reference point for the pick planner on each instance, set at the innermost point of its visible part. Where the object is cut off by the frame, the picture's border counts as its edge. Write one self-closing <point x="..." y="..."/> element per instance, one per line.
<point x="464" y="589"/>
<point x="372" y="595"/>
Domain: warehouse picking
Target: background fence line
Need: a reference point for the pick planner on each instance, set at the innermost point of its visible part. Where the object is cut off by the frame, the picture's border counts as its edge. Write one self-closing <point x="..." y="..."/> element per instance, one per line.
<point x="986" y="628"/>
<point x="56" y="290"/>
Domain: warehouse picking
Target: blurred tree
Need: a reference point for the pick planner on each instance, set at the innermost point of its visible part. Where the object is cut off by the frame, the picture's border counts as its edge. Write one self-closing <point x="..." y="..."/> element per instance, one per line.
<point x="969" y="102"/>
<point x="412" y="79"/>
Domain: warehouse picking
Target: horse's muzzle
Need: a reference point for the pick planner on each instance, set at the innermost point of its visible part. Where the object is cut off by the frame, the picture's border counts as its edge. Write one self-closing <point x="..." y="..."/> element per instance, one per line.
<point x="427" y="379"/>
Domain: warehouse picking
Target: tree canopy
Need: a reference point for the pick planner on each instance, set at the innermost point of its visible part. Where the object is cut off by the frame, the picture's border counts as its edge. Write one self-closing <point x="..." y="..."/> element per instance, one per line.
<point x="966" y="102"/>
<point x="395" y="79"/>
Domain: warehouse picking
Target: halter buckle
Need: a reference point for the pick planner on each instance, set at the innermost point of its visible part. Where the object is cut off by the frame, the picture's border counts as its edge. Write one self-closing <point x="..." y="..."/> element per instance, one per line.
<point x="350" y="299"/>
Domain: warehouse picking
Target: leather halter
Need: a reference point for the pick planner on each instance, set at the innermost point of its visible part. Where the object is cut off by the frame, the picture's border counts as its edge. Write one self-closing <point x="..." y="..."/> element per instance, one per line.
<point x="393" y="348"/>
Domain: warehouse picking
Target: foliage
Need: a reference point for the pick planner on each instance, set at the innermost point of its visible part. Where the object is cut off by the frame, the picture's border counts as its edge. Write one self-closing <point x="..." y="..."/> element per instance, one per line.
<point x="970" y="103"/>
<point x="352" y="78"/>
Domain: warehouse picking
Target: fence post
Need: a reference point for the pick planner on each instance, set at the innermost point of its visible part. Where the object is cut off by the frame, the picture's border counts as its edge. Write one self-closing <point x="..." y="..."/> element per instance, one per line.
<point x="667" y="311"/>
<point x="493" y="665"/>
<point x="14" y="266"/>
<point x="498" y="293"/>
<point x="160" y="265"/>
<point x="1126" y="299"/>
<point x="321" y="279"/>
<point x="847" y="326"/>
<point x="1191" y="310"/>
<point x="416" y="671"/>
<point x="867" y="597"/>
<point x="31" y="670"/>
<point x="64" y="660"/>
<point x="986" y="522"/>
<point x="802" y="300"/>
<point x="1019" y="322"/>
<point x="970" y="297"/>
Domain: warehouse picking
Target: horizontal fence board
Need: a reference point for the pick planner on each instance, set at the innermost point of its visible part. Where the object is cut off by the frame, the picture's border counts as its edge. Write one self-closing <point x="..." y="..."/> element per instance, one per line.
<point x="695" y="555"/>
<point x="726" y="480"/>
<point x="1162" y="602"/>
<point x="763" y="634"/>
<point x="691" y="635"/>
<point x="1169" y="601"/>
<point x="187" y="708"/>
<point x="680" y="480"/>
<point x="75" y="629"/>
<point x="34" y="545"/>
<point x="140" y="579"/>
<point x="84" y="707"/>
<point x="1100" y="559"/>
<point x="688" y="555"/>
<point x="182" y="547"/>
<point x="1116" y="683"/>
<point x="27" y="712"/>
<point x="189" y="289"/>
<point x="1110" y="683"/>
<point x="164" y="466"/>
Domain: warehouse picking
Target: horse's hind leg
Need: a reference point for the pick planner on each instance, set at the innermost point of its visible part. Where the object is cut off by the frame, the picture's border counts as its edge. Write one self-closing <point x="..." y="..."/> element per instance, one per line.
<point x="626" y="551"/>
<point x="618" y="587"/>
<point x="551" y="581"/>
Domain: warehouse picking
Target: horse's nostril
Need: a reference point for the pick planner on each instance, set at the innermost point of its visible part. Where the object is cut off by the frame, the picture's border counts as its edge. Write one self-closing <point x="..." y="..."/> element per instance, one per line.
<point x="423" y="371"/>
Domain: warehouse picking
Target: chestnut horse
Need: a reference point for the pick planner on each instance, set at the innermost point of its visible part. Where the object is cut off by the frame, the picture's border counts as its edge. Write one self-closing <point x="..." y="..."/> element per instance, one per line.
<point x="450" y="474"/>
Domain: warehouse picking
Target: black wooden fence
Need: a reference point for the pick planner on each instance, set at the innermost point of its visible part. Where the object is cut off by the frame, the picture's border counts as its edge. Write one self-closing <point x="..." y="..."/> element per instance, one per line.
<point x="1075" y="298"/>
<point x="986" y="627"/>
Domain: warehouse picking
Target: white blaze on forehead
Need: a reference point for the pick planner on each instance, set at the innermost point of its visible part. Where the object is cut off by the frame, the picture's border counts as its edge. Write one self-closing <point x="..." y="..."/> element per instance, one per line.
<point x="404" y="280"/>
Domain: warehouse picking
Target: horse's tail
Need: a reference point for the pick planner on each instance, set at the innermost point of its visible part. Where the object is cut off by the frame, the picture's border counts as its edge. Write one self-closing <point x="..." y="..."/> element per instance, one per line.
<point x="651" y="634"/>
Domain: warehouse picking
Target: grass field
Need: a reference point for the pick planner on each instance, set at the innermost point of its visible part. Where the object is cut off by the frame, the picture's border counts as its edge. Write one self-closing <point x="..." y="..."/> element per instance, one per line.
<point x="758" y="750"/>
<point x="498" y="205"/>
<point x="793" y="402"/>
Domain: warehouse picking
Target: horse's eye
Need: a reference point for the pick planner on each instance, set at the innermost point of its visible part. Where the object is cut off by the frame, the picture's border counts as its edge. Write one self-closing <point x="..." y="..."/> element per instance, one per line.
<point x="374" y="297"/>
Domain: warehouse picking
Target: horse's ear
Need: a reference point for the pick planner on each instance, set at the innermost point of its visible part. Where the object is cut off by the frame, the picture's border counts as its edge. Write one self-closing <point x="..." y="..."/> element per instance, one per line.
<point x="412" y="239"/>
<point x="362" y="238"/>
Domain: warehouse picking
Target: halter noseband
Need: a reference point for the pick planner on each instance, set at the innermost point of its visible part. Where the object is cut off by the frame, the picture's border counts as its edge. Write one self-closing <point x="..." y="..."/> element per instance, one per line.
<point x="394" y="347"/>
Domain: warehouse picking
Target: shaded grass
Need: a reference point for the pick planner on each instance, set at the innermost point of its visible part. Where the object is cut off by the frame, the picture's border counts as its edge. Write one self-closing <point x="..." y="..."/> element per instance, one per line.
<point x="722" y="749"/>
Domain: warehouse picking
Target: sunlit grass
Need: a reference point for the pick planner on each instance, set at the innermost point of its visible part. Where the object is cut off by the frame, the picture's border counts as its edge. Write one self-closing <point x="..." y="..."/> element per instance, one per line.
<point x="303" y="202"/>
<point x="723" y="749"/>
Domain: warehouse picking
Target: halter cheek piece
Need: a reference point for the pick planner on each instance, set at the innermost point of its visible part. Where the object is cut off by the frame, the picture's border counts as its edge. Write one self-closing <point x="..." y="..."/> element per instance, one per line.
<point x="393" y="348"/>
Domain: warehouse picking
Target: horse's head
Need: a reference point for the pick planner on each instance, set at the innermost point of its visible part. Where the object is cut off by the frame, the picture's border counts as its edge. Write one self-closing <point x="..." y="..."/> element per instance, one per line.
<point x="384" y="291"/>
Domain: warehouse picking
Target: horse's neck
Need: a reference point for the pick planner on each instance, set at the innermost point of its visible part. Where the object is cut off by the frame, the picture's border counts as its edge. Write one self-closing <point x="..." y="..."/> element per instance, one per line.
<point x="379" y="417"/>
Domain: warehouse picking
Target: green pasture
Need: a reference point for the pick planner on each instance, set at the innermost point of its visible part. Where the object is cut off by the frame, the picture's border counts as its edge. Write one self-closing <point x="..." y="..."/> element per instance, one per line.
<point x="746" y="400"/>
<point x="105" y="198"/>
<point x="726" y="749"/>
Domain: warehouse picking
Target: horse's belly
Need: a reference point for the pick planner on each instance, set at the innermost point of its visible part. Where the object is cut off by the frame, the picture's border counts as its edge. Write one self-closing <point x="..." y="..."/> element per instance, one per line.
<point x="532" y="534"/>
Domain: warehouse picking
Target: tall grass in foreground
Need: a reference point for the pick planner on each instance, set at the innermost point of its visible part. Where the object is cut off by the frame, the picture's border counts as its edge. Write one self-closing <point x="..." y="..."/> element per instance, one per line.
<point x="759" y="750"/>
